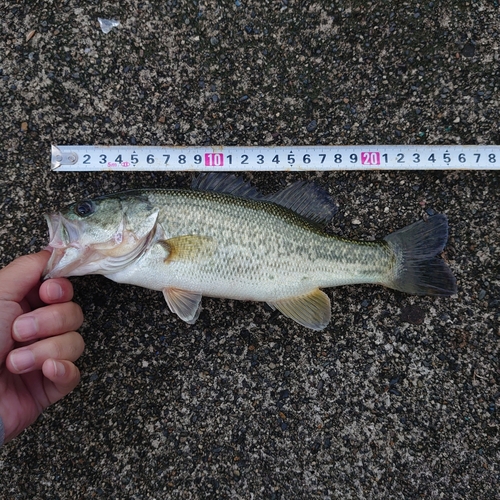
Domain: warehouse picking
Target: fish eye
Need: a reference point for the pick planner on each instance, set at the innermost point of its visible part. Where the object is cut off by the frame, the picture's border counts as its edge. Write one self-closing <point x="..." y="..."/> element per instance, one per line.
<point x="85" y="208"/>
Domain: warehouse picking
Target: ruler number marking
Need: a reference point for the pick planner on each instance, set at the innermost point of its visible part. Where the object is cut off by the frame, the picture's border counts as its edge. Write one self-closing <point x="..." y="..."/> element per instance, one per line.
<point x="216" y="159"/>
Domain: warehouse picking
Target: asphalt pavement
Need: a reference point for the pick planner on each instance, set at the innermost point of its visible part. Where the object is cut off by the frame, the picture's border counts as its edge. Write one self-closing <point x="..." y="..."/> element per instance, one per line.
<point x="399" y="396"/>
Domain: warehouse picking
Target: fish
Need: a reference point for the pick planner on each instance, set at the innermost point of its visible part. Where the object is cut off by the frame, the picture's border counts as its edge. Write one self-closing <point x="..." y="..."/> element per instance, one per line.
<point x="223" y="238"/>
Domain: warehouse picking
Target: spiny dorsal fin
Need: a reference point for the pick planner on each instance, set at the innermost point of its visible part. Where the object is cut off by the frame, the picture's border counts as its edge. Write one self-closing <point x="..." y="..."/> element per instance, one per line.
<point x="306" y="199"/>
<point x="225" y="183"/>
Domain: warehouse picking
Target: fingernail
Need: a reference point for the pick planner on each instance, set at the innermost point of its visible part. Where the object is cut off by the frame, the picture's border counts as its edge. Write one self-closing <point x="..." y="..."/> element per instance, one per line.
<point x="22" y="360"/>
<point x="54" y="291"/>
<point x="25" y="328"/>
<point x="59" y="369"/>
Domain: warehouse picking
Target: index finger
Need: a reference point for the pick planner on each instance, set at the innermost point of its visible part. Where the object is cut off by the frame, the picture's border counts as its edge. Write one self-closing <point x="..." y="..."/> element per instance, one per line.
<point x="22" y="275"/>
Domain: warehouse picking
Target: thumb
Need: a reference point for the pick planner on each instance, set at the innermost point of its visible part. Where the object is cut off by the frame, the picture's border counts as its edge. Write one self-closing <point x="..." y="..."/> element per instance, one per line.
<point x="21" y="275"/>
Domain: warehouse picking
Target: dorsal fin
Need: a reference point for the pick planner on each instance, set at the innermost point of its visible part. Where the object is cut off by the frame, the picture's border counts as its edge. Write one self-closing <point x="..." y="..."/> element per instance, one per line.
<point x="306" y="199"/>
<point x="225" y="183"/>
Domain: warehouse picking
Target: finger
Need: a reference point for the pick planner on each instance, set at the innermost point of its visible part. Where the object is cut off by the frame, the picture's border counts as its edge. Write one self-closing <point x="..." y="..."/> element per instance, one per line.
<point x="68" y="346"/>
<point x="21" y="275"/>
<point x="56" y="290"/>
<point x="61" y="378"/>
<point x="47" y="321"/>
<point x="49" y="292"/>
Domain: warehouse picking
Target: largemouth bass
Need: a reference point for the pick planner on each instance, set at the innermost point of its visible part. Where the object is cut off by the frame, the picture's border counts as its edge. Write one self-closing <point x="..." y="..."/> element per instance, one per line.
<point x="224" y="239"/>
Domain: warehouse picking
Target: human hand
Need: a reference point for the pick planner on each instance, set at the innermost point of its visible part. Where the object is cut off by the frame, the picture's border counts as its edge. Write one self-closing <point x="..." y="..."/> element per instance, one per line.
<point x="38" y="343"/>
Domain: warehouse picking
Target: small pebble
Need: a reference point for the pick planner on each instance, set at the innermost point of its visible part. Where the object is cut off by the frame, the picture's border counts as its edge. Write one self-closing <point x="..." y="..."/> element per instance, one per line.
<point x="311" y="126"/>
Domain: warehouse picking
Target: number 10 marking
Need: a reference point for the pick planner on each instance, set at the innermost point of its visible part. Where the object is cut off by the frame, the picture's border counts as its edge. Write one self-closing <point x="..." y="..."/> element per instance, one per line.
<point x="214" y="160"/>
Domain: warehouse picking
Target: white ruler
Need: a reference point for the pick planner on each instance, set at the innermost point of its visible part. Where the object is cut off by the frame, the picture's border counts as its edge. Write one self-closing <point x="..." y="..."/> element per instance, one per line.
<point x="280" y="158"/>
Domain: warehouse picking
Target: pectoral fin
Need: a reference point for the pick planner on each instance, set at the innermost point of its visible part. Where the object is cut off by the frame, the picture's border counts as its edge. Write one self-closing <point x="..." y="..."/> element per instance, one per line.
<point x="188" y="247"/>
<point x="183" y="303"/>
<point x="311" y="310"/>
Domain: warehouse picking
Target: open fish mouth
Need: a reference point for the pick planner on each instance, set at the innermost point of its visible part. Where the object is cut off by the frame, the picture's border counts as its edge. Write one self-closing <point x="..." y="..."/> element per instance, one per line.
<point x="71" y="257"/>
<point x="67" y="254"/>
<point x="62" y="233"/>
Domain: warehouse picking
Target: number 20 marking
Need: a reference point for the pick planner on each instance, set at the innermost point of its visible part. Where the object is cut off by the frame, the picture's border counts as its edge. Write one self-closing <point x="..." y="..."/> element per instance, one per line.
<point x="370" y="158"/>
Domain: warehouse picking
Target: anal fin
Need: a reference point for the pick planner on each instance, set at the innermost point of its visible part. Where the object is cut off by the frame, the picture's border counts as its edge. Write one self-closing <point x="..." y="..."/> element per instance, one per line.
<point x="186" y="304"/>
<point x="312" y="310"/>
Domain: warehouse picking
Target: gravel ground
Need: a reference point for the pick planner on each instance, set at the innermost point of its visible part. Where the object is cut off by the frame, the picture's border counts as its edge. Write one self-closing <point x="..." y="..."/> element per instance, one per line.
<point x="398" y="397"/>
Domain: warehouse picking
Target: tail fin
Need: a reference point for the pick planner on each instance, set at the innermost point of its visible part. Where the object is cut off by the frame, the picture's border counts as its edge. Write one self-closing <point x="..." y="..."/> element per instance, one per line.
<point x="418" y="271"/>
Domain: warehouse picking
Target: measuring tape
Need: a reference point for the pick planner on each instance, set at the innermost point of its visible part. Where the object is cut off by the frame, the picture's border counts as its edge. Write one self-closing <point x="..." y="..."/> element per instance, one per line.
<point x="281" y="158"/>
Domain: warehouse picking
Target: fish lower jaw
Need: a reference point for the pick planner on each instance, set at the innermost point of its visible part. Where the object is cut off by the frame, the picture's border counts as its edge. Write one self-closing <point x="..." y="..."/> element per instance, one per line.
<point x="68" y="261"/>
